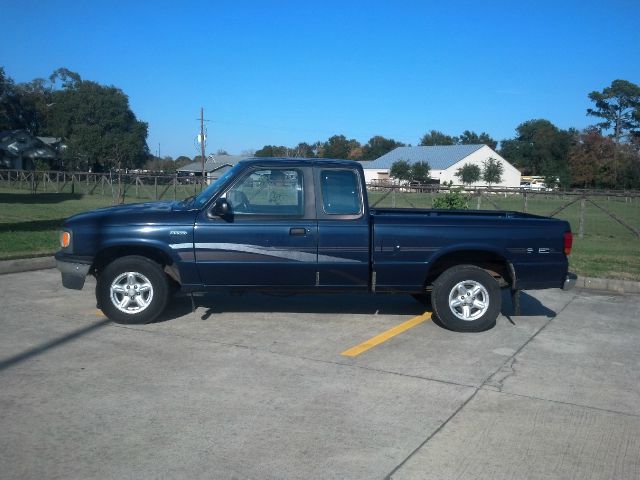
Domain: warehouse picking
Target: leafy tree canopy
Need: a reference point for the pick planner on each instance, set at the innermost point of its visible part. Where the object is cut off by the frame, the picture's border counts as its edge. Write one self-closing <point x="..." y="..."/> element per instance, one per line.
<point x="469" y="173"/>
<point x="401" y="170"/>
<point x="435" y="137"/>
<point x="472" y="138"/>
<point x="272" y="151"/>
<point x="378" y="146"/>
<point x="492" y="171"/>
<point x="540" y="148"/>
<point x="404" y="171"/>
<point x="420" y="172"/>
<point x="618" y="105"/>
<point x="95" y="121"/>
<point x="338" y="147"/>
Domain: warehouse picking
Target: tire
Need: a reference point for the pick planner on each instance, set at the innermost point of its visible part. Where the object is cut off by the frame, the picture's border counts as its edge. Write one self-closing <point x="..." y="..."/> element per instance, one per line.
<point x="132" y="290"/>
<point x="479" y="308"/>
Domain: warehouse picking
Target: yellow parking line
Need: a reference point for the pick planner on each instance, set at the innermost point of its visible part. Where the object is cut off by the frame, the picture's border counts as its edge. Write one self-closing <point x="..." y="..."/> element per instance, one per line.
<point x="384" y="336"/>
<point x="100" y="314"/>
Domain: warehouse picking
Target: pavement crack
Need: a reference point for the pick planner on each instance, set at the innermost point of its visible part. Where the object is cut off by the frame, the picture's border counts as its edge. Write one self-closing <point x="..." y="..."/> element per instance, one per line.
<point x="496" y="381"/>
<point x="506" y="369"/>
<point x="433" y="434"/>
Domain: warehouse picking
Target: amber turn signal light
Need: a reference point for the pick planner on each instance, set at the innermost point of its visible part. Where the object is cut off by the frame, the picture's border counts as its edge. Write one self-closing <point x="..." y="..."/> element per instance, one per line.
<point x="65" y="239"/>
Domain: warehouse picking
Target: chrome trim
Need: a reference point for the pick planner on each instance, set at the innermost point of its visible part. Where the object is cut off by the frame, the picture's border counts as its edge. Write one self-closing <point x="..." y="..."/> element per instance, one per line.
<point x="570" y="281"/>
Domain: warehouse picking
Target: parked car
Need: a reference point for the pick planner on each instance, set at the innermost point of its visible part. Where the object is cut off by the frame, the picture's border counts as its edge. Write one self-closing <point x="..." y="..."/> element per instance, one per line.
<point x="305" y="225"/>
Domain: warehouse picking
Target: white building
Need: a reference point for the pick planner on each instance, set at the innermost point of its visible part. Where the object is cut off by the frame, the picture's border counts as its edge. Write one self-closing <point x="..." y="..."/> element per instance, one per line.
<point x="444" y="160"/>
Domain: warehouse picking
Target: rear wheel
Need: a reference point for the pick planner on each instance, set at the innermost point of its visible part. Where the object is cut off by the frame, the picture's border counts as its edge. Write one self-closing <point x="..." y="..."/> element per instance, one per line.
<point x="132" y="290"/>
<point x="466" y="299"/>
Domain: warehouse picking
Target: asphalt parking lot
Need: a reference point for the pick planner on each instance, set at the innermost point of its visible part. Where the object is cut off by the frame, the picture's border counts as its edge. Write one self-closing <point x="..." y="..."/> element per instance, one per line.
<point x="258" y="387"/>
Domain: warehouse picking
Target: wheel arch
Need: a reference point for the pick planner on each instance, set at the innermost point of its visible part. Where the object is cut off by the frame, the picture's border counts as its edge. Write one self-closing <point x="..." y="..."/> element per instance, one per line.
<point x="152" y="252"/>
<point x="493" y="261"/>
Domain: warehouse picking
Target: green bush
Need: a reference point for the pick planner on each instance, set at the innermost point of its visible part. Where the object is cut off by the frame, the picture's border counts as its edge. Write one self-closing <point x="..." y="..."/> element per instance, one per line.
<point x="454" y="200"/>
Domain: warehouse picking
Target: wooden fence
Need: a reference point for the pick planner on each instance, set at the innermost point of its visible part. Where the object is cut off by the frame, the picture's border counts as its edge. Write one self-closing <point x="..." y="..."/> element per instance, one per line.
<point x="623" y="207"/>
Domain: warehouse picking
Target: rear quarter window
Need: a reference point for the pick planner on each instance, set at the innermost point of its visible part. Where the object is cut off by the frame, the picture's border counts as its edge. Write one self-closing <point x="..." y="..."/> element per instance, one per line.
<point x="340" y="192"/>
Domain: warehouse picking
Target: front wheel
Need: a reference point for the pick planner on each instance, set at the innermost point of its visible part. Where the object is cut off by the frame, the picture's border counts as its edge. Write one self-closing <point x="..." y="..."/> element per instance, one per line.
<point x="132" y="290"/>
<point x="466" y="299"/>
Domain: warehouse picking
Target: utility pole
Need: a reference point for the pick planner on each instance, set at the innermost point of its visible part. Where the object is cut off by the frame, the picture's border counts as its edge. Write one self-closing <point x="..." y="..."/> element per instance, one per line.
<point x="202" y="146"/>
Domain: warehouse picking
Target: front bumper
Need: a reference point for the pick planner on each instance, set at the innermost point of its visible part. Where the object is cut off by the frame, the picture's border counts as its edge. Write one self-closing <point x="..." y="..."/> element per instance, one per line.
<point x="74" y="270"/>
<point x="570" y="281"/>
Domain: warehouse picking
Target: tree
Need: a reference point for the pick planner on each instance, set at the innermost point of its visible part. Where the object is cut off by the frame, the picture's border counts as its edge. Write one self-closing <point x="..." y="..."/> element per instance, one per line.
<point x="378" y="146"/>
<point x="400" y="170"/>
<point x="469" y="173"/>
<point x="435" y="137"/>
<point x="492" y="171"/>
<point x="619" y="107"/>
<point x="98" y="126"/>
<point x="181" y="161"/>
<point x="9" y="103"/>
<point x="472" y="138"/>
<point x="272" y="151"/>
<point x="540" y="148"/>
<point x="304" y="150"/>
<point x="419" y="172"/>
<point x="338" y="147"/>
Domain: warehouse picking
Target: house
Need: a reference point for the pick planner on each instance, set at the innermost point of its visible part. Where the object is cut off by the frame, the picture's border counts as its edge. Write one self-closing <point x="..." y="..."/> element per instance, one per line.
<point x="444" y="160"/>
<point x="19" y="150"/>
<point x="215" y="166"/>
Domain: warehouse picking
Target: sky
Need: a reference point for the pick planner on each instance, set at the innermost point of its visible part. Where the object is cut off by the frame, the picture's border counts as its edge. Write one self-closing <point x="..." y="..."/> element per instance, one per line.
<point x="283" y="72"/>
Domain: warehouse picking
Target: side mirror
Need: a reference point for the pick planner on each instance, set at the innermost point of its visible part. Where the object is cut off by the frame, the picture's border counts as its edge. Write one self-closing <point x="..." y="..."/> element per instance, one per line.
<point x="221" y="208"/>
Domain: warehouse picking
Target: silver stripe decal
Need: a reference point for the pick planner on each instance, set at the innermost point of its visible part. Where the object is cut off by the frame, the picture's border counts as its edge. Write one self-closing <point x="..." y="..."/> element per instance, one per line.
<point x="181" y="246"/>
<point x="270" y="252"/>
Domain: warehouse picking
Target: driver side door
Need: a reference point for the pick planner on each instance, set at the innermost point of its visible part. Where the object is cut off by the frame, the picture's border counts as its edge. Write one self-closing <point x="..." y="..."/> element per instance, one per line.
<point x="270" y="236"/>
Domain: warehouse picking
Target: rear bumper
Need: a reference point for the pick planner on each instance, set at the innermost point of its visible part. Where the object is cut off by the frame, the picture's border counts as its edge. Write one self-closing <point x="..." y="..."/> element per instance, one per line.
<point x="74" y="270"/>
<point x="570" y="281"/>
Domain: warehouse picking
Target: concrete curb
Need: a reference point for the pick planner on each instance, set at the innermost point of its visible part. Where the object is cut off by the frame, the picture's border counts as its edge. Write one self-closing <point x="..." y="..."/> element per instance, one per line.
<point x="606" y="284"/>
<point x="26" y="264"/>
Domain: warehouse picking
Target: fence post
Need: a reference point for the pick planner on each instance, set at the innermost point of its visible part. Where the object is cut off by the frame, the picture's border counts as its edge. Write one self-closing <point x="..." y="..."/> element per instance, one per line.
<point x="526" y="202"/>
<point x="175" y="187"/>
<point x="155" y="179"/>
<point x="583" y="204"/>
<point x="479" y="201"/>
<point x="393" y="197"/>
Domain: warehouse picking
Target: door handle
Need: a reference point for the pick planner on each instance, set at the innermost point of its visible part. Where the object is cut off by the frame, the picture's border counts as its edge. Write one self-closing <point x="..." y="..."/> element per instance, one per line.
<point x="299" y="232"/>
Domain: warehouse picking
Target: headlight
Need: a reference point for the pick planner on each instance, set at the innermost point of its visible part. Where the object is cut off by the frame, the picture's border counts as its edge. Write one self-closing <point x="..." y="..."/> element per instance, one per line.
<point x="65" y="239"/>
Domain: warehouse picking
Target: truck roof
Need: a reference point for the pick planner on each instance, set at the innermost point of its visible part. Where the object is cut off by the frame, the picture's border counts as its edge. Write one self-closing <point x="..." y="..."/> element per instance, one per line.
<point x="292" y="160"/>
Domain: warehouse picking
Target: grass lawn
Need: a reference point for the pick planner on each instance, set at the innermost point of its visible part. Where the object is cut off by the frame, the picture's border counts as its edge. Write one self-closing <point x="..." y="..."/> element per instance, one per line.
<point x="29" y="224"/>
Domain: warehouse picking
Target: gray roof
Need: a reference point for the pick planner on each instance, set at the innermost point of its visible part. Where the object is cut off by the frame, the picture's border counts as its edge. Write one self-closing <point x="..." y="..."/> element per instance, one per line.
<point x="440" y="157"/>
<point x="16" y="143"/>
<point x="213" y="163"/>
<point x="49" y="140"/>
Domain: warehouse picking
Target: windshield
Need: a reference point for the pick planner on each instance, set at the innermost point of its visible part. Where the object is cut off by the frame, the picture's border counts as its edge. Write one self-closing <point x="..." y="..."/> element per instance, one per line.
<point x="203" y="197"/>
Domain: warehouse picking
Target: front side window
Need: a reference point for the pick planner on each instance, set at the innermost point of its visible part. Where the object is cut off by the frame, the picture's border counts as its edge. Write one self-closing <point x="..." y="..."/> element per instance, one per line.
<point x="273" y="192"/>
<point x="340" y="192"/>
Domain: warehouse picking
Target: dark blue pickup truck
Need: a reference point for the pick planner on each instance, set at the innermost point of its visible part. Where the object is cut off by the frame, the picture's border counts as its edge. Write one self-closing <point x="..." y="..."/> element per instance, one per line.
<point x="304" y="225"/>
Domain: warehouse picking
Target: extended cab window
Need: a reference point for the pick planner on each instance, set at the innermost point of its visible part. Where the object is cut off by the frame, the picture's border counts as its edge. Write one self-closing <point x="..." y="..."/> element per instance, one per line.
<point x="340" y="192"/>
<point x="273" y="192"/>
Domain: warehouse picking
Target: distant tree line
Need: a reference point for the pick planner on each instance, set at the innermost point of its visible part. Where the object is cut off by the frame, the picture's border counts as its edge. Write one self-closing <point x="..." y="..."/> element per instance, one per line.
<point x="604" y="155"/>
<point x="101" y="132"/>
